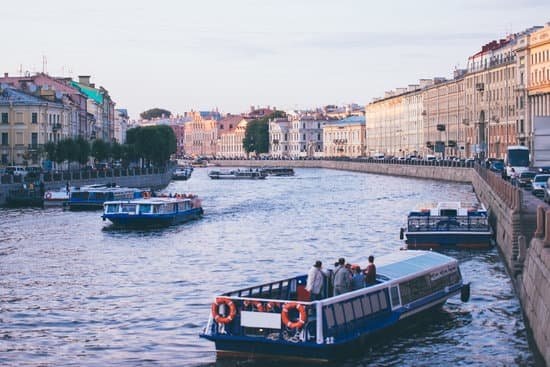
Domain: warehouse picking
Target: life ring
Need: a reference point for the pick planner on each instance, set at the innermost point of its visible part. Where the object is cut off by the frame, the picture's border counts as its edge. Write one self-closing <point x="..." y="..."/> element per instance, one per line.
<point x="232" y="310"/>
<point x="270" y="306"/>
<point x="300" y="322"/>
<point x="48" y="195"/>
<point x="146" y="194"/>
<point x="256" y="304"/>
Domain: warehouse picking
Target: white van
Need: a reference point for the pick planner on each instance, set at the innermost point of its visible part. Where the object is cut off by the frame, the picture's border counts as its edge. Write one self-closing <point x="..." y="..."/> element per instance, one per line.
<point x="16" y="170"/>
<point x="378" y="156"/>
<point x="430" y="158"/>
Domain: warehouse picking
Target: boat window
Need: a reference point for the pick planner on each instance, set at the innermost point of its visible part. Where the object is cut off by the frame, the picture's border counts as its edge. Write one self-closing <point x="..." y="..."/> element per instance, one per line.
<point x="155" y="208"/>
<point x="357" y="308"/>
<point x="112" y="208"/>
<point x="366" y="305"/>
<point x="329" y="317"/>
<point x="375" y="302"/>
<point x="348" y="311"/>
<point x="394" y="297"/>
<point x="128" y="208"/>
<point x="144" y="208"/>
<point x="448" y="212"/>
<point x="79" y="195"/>
<point x="339" y="314"/>
<point x="383" y="301"/>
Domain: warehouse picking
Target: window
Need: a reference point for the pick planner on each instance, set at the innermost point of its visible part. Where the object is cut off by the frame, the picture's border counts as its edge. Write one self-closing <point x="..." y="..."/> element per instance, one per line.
<point x="5" y="119"/>
<point x="5" y="140"/>
<point x="34" y="118"/>
<point x="34" y="139"/>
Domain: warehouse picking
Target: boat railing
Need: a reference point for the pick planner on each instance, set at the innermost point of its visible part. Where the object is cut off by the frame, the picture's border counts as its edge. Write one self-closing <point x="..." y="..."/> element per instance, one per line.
<point x="446" y="224"/>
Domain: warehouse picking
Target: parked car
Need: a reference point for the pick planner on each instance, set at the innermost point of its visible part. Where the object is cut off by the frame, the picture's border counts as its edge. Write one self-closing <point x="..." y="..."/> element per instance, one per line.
<point x="497" y="166"/>
<point x="525" y="179"/>
<point x="16" y="171"/>
<point x="539" y="185"/>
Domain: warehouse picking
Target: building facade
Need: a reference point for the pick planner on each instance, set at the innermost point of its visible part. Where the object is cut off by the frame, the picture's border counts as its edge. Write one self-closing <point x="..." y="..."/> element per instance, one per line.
<point x="279" y="137"/>
<point x="201" y="136"/>
<point x="344" y="138"/>
<point x="231" y="132"/>
<point x="538" y="84"/>
<point x="305" y="136"/>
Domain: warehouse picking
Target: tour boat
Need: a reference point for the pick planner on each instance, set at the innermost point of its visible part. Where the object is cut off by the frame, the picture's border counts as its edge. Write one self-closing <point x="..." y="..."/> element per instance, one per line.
<point x="182" y="173"/>
<point x="448" y="224"/>
<point x="153" y="212"/>
<point x="278" y="171"/>
<point x="92" y="197"/>
<point x="277" y="318"/>
<point x="238" y="174"/>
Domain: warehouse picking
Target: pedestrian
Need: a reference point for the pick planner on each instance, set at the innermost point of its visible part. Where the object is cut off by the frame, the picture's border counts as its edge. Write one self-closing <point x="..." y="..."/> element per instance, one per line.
<point x="342" y="278"/>
<point x="358" y="280"/>
<point x="315" y="280"/>
<point x="68" y="187"/>
<point x="41" y="187"/>
<point x="370" y="272"/>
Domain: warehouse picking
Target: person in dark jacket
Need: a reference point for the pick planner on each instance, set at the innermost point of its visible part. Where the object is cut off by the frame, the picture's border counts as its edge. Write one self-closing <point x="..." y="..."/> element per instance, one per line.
<point x="370" y="272"/>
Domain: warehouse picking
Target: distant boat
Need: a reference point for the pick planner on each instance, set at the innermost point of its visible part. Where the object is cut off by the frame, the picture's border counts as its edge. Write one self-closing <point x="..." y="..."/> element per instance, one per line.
<point x="182" y="173"/>
<point x="448" y="224"/>
<point x="58" y="197"/>
<point x="153" y="212"/>
<point x="92" y="197"/>
<point x="278" y="171"/>
<point x="278" y="320"/>
<point x="23" y="196"/>
<point x="238" y="174"/>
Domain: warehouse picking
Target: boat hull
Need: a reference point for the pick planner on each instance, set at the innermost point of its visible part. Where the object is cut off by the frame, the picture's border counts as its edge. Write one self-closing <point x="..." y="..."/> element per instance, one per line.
<point x="430" y="240"/>
<point x="152" y="221"/>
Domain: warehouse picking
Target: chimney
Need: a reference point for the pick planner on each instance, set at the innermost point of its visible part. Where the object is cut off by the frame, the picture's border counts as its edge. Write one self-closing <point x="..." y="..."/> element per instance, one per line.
<point x="84" y="79"/>
<point x="5" y="75"/>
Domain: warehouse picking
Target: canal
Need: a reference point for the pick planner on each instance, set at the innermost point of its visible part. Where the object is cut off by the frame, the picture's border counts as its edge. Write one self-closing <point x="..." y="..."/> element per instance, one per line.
<point x="75" y="292"/>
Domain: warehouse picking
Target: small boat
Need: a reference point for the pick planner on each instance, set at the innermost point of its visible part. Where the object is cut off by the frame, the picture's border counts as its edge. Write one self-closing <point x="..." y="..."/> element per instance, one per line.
<point x="277" y="319"/>
<point x="279" y="171"/>
<point x="448" y="224"/>
<point x="57" y="197"/>
<point x="24" y="196"/>
<point x="92" y="197"/>
<point x="153" y="212"/>
<point x="182" y="173"/>
<point x="238" y="174"/>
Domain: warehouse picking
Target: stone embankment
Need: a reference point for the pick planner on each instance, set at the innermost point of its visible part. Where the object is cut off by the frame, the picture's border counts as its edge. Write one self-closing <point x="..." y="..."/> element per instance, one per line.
<point x="513" y="217"/>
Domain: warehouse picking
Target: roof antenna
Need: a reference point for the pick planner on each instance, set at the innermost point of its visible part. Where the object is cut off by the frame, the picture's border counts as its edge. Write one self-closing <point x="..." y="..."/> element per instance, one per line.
<point x="44" y="64"/>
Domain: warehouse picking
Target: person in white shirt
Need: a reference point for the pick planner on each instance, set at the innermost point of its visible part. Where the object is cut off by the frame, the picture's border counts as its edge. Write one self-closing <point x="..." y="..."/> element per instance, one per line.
<point x="315" y="280"/>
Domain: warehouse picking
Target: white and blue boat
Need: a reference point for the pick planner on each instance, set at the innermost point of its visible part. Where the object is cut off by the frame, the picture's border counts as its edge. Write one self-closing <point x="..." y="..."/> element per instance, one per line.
<point x="448" y="224"/>
<point x="277" y="318"/>
<point x="153" y="212"/>
<point x="238" y="174"/>
<point x="92" y="197"/>
<point x="182" y="173"/>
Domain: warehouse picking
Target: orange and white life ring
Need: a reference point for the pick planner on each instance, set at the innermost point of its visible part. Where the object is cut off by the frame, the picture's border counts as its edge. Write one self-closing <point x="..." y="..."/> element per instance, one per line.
<point x="216" y="314"/>
<point x="146" y="194"/>
<point x="302" y="318"/>
<point x="48" y="195"/>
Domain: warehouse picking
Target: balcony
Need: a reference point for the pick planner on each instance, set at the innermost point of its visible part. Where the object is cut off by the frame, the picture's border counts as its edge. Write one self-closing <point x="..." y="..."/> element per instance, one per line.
<point x="56" y="127"/>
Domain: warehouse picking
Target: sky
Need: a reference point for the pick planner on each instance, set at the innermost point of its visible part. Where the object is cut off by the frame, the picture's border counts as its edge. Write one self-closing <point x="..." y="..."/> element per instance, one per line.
<point x="292" y="54"/>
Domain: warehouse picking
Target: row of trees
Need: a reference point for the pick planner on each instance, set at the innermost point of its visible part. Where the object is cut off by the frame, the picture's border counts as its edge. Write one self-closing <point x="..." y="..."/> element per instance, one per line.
<point x="256" y="136"/>
<point x="151" y="144"/>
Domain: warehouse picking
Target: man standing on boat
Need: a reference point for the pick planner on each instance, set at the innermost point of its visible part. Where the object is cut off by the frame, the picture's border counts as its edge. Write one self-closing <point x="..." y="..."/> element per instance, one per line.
<point x="315" y="278"/>
<point x="342" y="278"/>
<point x="370" y="272"/>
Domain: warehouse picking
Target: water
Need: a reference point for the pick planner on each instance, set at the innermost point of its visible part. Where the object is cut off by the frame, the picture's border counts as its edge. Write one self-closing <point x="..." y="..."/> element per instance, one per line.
<point x="74" y="292"/>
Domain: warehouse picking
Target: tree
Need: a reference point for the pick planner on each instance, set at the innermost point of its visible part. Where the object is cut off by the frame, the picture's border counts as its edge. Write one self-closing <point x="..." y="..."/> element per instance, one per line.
<point x="100" y="150"/>
<point x="155" y="112"/>
<point x="256" y="136"/>
<point x="83" y="150"/>
<point x="50" y="149"/>
<point x="62" y="151"/>
<point x="152" y="143"/>
<point x="116" y="150"/>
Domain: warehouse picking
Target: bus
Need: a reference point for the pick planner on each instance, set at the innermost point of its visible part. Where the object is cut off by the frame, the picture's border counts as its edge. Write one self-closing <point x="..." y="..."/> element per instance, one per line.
<point x="517" y="158"/>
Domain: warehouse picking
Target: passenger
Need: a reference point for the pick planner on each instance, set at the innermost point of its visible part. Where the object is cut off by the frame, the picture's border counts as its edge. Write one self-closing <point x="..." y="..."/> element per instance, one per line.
<point x="358" y="280"/>
<point x="342" y="278"/>
<point x="315" y="280"/>
<point x="370" y="272"/>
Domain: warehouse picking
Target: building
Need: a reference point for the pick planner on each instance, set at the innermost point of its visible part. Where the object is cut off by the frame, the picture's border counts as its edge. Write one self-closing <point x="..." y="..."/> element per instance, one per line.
<point x="305" y="136"/>
<point x="231" y="133"/>
<point x="27" y="122"/>
<point x="279" y="137"/>
<point x="179" y="132"/>
<point x="201" y="136"/>
<point x="344" y="138"/>
<point x="121" y="125"/>
<point x="538" y="83"/>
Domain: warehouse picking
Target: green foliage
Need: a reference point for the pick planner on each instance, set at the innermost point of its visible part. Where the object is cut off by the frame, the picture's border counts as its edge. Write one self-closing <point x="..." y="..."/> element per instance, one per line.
<point x="100" y="150"/>
<point x="152" y="143"/>
<point x="50" y="148"/>
<point x="84" y="150"/>
<point x="116" y="150"/>
<point x="154" y="113"/>
<point x="256" y="136"/>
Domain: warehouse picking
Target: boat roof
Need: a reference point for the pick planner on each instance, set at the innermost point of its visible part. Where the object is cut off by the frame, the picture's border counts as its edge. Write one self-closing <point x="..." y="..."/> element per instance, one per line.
<point x="404" y="263"/>
<point x="156" y="200"/>
<point x="455" y="205"/>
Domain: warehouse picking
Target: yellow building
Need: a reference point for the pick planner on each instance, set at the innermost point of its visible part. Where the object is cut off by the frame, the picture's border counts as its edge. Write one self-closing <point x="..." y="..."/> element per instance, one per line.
<point x="344" y="138"/>
<point x="201" y="136"/>
<point x="27" y="122"/>
<point x="231" y="132"/>
<point x="538" y="84"/>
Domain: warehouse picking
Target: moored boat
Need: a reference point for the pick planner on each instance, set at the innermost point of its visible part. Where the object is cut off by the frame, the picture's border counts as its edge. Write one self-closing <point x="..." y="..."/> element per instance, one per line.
<point x="153" y="212"/>
<point x="238" y="174"/>
<point x="57" y="197"/>
<point x="92" y="197"/>
<point x="277" y="318"/>
<point x="448" y="224"/>
<point x="182" y="173"/>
